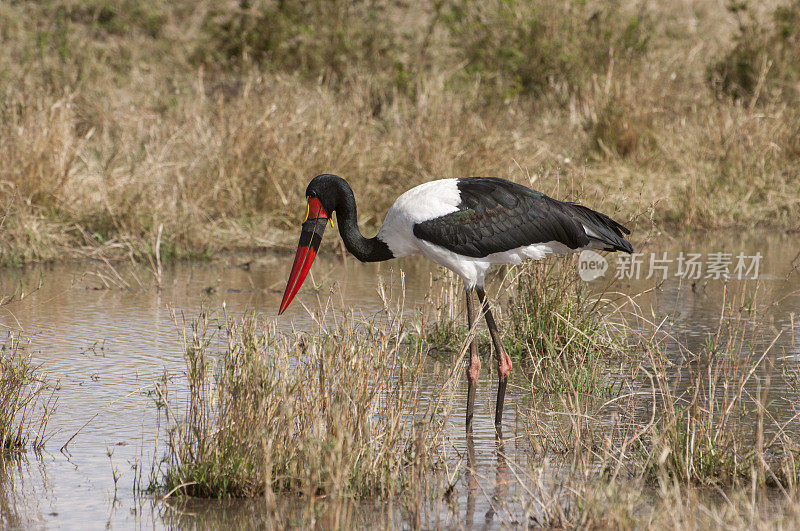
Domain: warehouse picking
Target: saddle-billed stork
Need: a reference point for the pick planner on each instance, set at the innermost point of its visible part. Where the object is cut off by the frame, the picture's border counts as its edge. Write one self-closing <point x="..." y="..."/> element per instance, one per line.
<point x="466" y="225"/>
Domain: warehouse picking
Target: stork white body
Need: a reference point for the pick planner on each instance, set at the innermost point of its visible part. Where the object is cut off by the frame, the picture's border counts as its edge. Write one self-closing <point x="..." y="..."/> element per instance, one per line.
<point x="439" y="198"/>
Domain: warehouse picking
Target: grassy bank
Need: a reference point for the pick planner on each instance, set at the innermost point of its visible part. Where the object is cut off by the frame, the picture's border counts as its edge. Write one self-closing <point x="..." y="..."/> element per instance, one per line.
<point x="123" y="120"/>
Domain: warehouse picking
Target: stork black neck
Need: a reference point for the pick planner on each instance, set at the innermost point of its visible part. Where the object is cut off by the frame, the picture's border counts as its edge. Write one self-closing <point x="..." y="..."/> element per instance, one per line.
<point x="336" y="196"/>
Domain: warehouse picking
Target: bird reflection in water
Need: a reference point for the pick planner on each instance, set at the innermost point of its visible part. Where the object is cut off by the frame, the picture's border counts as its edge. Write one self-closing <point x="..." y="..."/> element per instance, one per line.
<point x="501" y="483"/>
<point x="501" y="479"/>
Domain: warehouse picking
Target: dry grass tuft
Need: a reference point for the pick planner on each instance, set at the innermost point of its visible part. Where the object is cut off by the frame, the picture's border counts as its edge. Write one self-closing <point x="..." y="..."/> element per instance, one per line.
<point x="27" y="399"/>
<point x="718" y="423"/>
<point x="691" y="437"/>
<point x="553" y="326"/>
<point x="556" y="327"/>
<point x="331" y="413"/>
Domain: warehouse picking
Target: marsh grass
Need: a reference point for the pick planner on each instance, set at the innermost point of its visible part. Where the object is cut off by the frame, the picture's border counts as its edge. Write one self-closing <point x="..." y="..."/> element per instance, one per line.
<point x="552" y="324"/>
<point x="557" y="328"/>
<point x="27" y="399"/>
<point x="718" y="422"/>
<point x="666" y="436"/>
<point x="443" y="325"/>
<point x="334" y="413"/>
<point x="696" y="437"/>
<point x="711" y="429"/>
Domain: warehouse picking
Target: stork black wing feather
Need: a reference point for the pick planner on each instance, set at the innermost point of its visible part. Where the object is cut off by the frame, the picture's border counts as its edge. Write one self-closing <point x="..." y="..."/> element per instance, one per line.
<point x="496" y="215"/>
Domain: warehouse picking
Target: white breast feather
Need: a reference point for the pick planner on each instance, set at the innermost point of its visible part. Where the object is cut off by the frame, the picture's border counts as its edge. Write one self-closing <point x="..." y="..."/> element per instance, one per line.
<point x="426" y="201"/>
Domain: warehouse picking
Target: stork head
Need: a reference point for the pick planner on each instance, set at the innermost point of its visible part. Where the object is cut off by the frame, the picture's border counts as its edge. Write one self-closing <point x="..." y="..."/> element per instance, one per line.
<point x="322" y="195"/>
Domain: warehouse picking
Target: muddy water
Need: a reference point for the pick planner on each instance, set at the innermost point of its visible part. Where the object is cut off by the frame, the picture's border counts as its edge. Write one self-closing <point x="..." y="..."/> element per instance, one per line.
<point x="106" y="333"/>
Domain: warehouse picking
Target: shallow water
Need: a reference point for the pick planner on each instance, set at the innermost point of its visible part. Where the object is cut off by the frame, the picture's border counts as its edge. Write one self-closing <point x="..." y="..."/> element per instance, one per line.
<point x="107" y="333"/>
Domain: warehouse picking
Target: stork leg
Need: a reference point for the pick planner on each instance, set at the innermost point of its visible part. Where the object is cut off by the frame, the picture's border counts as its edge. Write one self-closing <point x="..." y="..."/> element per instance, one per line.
<point x="474" y="368"/>
<point x="503" y="361"/>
